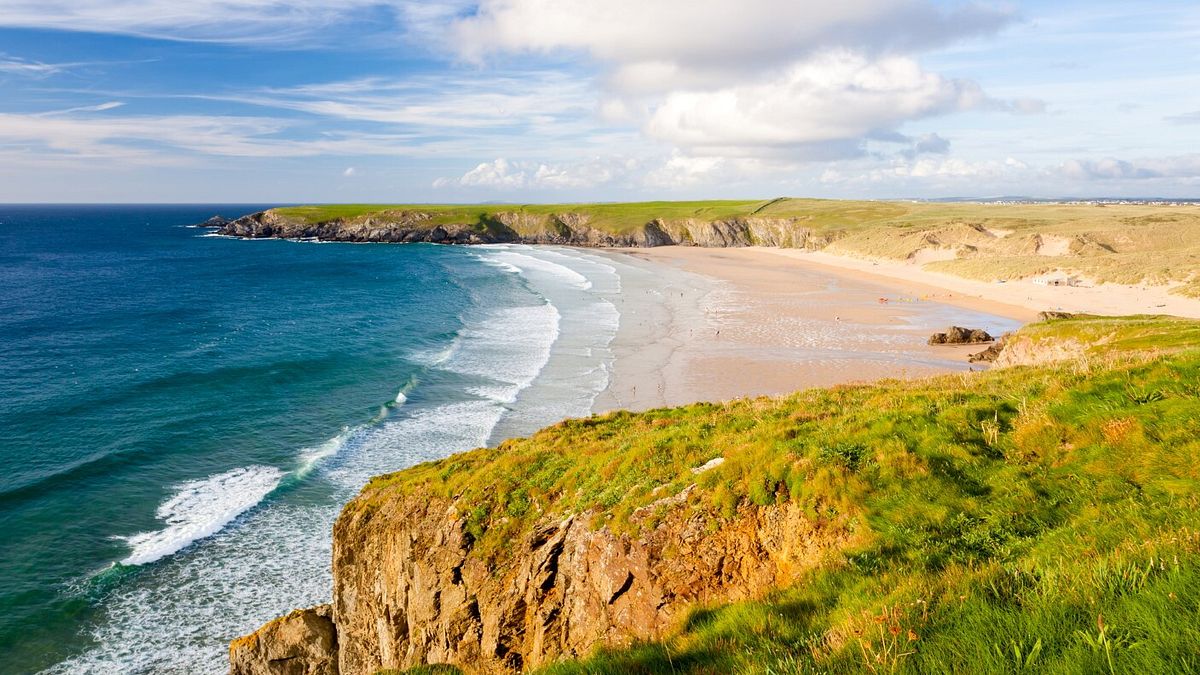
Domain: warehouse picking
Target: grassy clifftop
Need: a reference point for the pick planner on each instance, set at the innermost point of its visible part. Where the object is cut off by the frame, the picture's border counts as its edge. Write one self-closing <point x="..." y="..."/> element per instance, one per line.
<point x="1039" y="516"/>
<point x="619" y="218"/>
<point x="1117" y="243"/>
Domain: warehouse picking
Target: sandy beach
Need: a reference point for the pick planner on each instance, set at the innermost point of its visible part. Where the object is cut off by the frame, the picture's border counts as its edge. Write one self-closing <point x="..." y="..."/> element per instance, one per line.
<point x="1020" y="297"/>
<point x="702" y="324"/>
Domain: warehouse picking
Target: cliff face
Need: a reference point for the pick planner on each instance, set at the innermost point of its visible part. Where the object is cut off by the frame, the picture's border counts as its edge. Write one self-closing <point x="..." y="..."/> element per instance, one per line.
<point x="574" y="229"/>
<point x="410" y="587"/>
<point x="388" y="226"/>
<point x="301" y="643"/>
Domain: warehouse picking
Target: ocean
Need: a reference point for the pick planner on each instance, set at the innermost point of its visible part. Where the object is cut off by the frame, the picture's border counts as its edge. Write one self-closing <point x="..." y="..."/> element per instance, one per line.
<point x="183" y="415"/>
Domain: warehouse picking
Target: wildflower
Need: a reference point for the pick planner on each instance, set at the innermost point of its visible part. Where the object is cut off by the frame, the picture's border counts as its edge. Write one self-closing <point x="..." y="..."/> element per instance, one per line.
<point x="913" y="637"/>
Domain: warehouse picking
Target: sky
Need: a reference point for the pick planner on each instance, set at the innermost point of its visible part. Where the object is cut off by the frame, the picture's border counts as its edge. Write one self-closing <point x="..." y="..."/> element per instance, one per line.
<point x="263" y="101"/>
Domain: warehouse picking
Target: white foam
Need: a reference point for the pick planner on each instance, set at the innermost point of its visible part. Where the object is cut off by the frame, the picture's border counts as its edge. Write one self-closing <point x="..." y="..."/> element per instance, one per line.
<point x="507" y="349"/>
<point x="310" y="457"/>
<point x="200" y="509"/>
<point x="528" y="263"/>
<point x="531" y="366"/>
<point x="185" y="610"/>
<point x="500" y="264"/>
<point x="583" y="289"/>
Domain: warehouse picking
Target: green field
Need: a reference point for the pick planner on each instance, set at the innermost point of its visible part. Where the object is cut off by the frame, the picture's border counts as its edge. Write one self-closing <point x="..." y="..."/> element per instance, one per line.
<point x="1115" y="243"/>
<point x="1031" y="518"/>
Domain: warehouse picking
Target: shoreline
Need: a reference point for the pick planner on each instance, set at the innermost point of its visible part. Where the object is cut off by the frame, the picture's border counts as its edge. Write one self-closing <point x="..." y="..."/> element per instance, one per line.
<point x="714" y="324"/>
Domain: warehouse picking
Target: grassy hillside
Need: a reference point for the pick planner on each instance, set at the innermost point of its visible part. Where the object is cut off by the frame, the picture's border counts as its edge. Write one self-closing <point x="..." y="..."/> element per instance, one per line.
<point x="1042" y="518"/>
<point x="623" y="217"/>
<point x="1117" y="243"/>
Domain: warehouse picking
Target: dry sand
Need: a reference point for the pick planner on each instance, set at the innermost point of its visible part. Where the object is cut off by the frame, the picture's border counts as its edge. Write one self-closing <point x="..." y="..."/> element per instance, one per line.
<point x="715" y="324"/>
<point x="1105" y="299"/>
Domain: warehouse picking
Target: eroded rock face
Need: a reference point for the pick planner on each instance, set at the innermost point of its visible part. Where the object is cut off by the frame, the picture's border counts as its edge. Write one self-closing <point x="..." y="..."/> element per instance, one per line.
<point x="385" y="226"/>
<point x="301" y="643"/>
<point x="570" y="228"/>
<point x="409" y="588"/>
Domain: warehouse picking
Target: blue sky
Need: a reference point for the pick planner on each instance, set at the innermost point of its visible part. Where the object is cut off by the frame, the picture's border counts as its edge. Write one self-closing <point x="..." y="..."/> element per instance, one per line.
<point x="561" y="100"/>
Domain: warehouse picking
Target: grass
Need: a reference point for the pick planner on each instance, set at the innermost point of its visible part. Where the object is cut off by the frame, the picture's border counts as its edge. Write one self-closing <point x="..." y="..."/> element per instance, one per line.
<point x="1129" y="244"/>
<point x="1033" y="518"/>
<point x="618" y="218"/>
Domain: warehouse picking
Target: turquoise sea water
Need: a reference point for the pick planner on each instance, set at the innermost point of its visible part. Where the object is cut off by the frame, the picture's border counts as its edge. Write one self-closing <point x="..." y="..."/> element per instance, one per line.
<point x="182" y="415"/>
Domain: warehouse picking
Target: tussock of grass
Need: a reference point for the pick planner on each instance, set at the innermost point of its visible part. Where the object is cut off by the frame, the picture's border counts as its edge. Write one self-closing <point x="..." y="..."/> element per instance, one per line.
<point x="1030" y="517"/>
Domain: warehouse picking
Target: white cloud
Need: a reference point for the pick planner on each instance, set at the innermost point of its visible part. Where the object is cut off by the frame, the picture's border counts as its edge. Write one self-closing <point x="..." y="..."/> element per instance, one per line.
<point x="931" y="144"/>
<point x="16" y="66"/>
<point x="1113" y="169"/>
<point x="758" y="79"/>
<point x="499" y="173"/>
<point x="952" y="176"/>
<point x="666" y="40"/>
<point x="502" y="173"/>
<point x="821" y="108"/>
<point x="1184" y="118"/>
<point x="284" y="22"/>
<point x="684" y="171"/>
<point x="157" y="138"/>
<point x="497" y="99"/>
<point x="949" y="176"/>
<point x="100" y="107"/>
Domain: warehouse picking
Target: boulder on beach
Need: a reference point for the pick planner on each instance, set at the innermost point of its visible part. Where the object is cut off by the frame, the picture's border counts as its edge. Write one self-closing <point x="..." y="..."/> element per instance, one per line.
<point x="958" y="335"/>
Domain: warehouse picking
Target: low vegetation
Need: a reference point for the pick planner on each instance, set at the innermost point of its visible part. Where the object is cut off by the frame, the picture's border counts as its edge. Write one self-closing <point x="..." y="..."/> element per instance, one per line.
<point x="1127" y="244"/>
<point x="1032" y="518"/>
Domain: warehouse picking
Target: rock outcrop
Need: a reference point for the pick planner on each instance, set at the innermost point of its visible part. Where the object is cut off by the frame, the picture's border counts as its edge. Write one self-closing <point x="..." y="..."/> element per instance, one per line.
<point x="411" y="587"/>
<point x="301" y="643"/>
<point x="574" y="229"/>
<point x="960" y="336"/>
<point x="385" y="226"/>
<point x="215" y="221"/>
<point x="988" y="355"/>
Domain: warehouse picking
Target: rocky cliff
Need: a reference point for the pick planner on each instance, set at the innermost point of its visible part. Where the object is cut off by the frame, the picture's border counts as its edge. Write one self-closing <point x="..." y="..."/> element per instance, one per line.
<point x="568" y="228"/>
<point x="302" y="643"/>
<point x="635" y="527"/>
<point x="411" y="587"/>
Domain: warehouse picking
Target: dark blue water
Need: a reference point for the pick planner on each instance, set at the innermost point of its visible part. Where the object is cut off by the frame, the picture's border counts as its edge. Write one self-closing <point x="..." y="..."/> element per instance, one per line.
<point x="181" y="415"/>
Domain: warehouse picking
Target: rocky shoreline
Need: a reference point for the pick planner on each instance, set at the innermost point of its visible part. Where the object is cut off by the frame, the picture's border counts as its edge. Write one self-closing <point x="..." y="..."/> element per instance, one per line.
<point x="571" y="229"/>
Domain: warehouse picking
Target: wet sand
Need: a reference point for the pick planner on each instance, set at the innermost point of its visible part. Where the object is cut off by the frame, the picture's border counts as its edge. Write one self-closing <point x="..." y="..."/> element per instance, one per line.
<point x="715" y="324"/>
